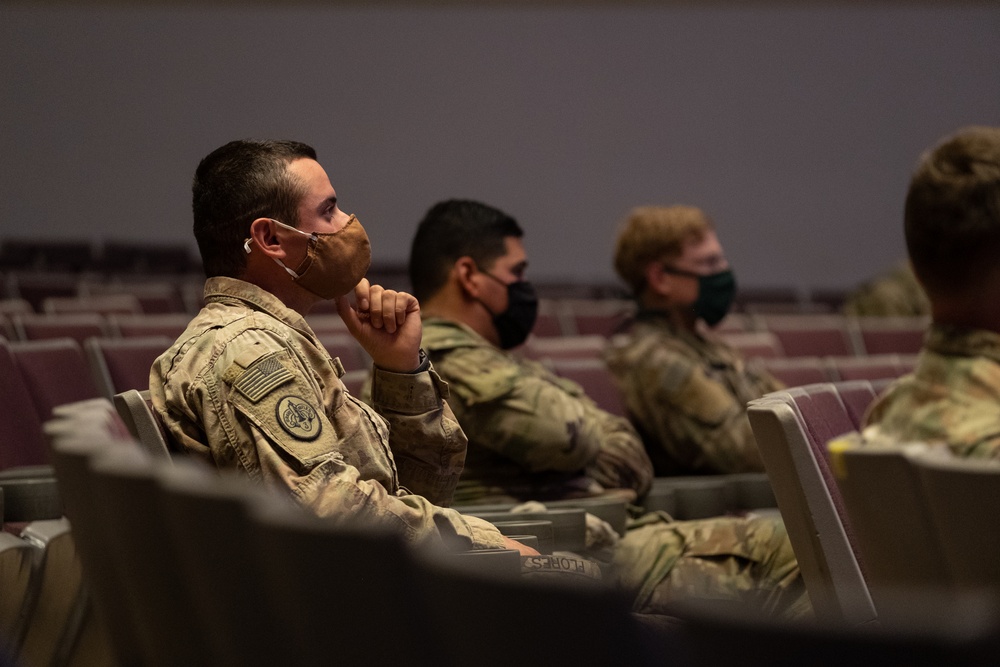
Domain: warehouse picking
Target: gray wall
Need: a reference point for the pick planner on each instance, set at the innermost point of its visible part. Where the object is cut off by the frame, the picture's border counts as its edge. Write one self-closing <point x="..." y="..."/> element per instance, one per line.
<point x="794" y="127"/>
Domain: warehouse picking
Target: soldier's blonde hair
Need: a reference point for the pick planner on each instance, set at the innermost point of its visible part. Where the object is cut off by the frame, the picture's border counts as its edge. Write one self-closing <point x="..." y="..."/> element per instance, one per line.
<point x="655" y="234"/>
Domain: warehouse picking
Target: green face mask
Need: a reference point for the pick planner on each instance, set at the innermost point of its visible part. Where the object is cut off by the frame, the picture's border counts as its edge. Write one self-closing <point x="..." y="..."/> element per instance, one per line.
<point x="715" y="294"/>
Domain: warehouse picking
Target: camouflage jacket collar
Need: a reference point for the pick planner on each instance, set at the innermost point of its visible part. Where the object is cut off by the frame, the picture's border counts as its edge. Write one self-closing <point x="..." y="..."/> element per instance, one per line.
<point x="442" y="334"/>
<point x="956" y="342"/>
<point x="220" y="289"/>
<point x="660" y="320"/>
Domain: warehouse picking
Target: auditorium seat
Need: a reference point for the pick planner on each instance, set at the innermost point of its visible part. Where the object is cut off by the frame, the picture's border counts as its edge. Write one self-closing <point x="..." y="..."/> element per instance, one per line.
<point x="207" y="518"/>
<point x="154" y="297"/>
<point x="104" y="304"/>
<point x="871" y="367"/>
<point x="121" y="364"/>
<point x="77" y="433"/>
<point x="130" y="257"/>
<point x="171" y="325"/>
<point x="350" y="606"/>
<point x="792" y="428"/>
<point x="811" y="335"/>
<point x="891" y="521"/>
<point x="124" y="483"/>
<point x="596" y="380"/>
<point x="891" y="335"/>
<point x="963" y="497"/>
<point x="347" y="349"/>
<point x="797" y="371"/>
<point x="17" y="581"/>
<point x="549" y="321"/>
<point x="600" y="317"/>
<point x="326" y="323"/>
<point x="134" y="408"/>
<point x="78" y="326"/>
<point x="35" y="287"/>
<point x="55" y="371"/>
<point x="55" y="615"/>
<point x="21" y="440"/>
<point x="46" y="255"/>
<point x="564" y="347"/>
<point x="753" y="344"/>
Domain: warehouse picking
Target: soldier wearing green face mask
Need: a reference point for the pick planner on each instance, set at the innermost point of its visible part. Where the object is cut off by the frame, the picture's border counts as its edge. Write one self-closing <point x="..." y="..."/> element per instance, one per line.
<point x="685" y="391"/>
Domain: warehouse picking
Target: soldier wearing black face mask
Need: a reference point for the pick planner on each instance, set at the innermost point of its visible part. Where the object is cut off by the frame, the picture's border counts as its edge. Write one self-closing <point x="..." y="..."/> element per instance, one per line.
<point x="535" y="436"/>
<point x="531" y="434"/>
<point x="685" y="391"/>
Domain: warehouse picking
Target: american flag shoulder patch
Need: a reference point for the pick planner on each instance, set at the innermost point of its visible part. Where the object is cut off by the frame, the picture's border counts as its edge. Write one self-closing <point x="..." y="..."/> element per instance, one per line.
<point x="262" y="378"/>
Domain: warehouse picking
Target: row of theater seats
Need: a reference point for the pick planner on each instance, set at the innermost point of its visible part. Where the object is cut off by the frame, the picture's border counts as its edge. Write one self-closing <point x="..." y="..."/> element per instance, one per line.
<point x="185" y="567"/>
<point x="167" y="563"/>
<point x="877" y="529"/>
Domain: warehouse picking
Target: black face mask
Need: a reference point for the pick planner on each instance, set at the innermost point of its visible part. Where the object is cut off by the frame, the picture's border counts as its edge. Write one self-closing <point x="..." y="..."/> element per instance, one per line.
<point x="715" y="294"/>
<point x="514" y="324"/>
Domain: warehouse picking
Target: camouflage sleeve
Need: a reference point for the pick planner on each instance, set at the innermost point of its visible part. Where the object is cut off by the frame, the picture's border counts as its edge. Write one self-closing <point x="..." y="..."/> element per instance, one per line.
<point x="527" y="418"/>
<point x="427" y="443"/>
<point x="622" y="462"/>
<point x="262" y="411"/>
<point x="334" y="489"/>
<point x="695" y="418"/>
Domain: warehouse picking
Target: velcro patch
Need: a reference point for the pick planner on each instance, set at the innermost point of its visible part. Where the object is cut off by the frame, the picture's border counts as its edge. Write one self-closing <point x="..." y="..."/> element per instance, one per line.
<point x="298" y="418"/>
<point x="262" y="378"/>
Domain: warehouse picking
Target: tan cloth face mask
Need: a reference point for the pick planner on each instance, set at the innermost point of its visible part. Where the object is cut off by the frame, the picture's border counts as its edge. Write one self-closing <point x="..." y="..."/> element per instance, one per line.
<point x="335" y="261"/>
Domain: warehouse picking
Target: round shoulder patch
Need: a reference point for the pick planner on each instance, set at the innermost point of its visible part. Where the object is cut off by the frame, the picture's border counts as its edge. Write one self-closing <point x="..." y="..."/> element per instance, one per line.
<point x="298" y="418"/>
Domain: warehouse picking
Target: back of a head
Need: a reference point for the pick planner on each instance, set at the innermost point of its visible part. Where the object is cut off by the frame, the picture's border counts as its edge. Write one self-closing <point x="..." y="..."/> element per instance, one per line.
<point x="452" y="229"/>
<point x="236" y="184"/>
<point x="653" y="234"/>
<point x="953" y="213"/>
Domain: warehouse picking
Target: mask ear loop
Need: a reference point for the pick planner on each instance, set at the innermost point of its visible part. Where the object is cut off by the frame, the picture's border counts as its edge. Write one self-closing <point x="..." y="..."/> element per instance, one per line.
<point x="312" y="239"/>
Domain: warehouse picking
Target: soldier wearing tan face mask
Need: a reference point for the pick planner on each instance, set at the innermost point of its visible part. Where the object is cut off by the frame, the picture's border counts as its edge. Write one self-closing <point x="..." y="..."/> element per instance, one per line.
<point x="249" y="387"/>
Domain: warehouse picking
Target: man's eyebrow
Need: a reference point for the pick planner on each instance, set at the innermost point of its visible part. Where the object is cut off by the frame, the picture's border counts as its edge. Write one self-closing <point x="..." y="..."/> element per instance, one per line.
<point x="329" y="201"/>
<point x="520" y="266"/>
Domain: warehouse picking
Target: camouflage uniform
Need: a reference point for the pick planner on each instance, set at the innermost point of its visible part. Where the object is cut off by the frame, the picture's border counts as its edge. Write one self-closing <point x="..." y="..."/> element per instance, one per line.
<point x="687" y="395"/>
<point x="953" y="396"/>
<point x="895" y="293"/>
<point x="727" y="558"/>
<point x="247" y="386"/>
<point x="532" y="435"/>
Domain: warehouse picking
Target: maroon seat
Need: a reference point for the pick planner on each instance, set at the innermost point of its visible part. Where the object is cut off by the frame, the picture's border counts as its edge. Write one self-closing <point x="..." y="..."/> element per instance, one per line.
<point x="78" y="326"/>
<point x="892" y="335"/>
<point x="595" y="378"/>
<point x="21" y="440"/>
<point x="153" y="297"/>
<point x="875" y="367"/>
<point x="347" y="349"/>
<point x="55" y="372"/>
<point x="601" y="317"/>
<point x="124" y="363"/>
<point x="856" y="395"/>
<point x="811" y="335"/>
<point x="104" y="304"/>
<point x="564" y="347"/>
<point x="797" y="371"/>
<point x="792" y="429"/>
<point x="753" y="344"/>
<point x="139" y="326"/>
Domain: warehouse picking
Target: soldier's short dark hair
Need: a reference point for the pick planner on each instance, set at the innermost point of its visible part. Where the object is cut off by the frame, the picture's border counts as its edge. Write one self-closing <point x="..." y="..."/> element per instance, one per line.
<point x="234" y="185"/>
<point x="953" y="212"/>
<point x="453" y="229"/>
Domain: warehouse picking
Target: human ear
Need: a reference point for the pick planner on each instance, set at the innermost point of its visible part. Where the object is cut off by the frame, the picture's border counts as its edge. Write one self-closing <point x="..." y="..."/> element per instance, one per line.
<point x="265" y="238"/>
<point x="658" y="281"/>
<point x="465" y="270"/>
